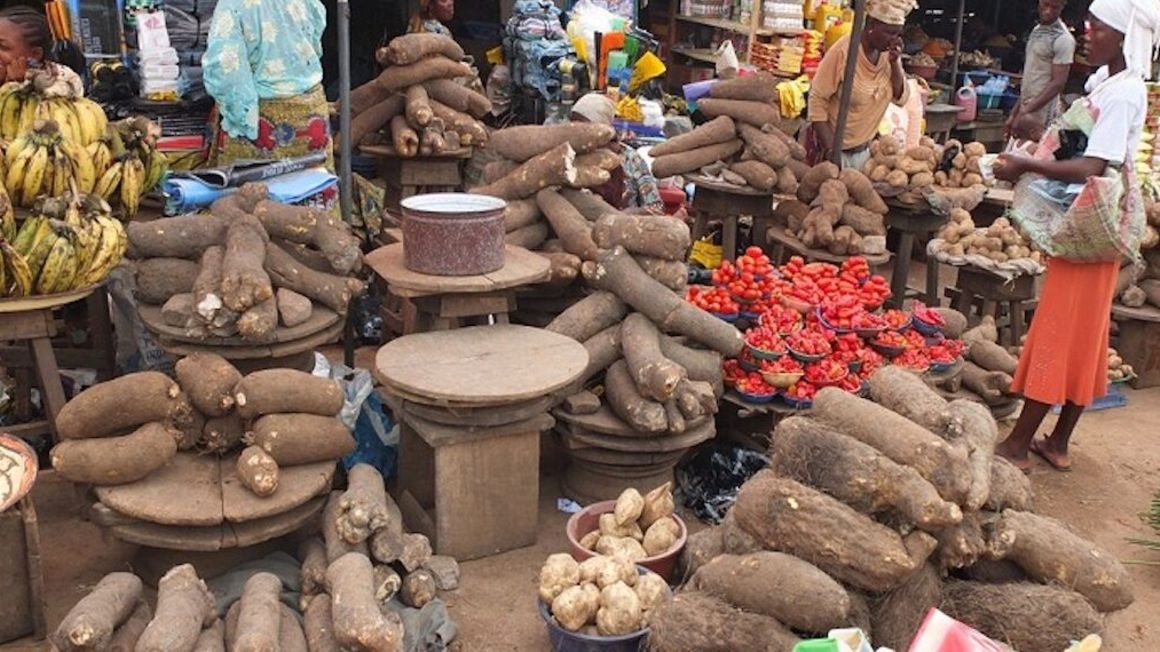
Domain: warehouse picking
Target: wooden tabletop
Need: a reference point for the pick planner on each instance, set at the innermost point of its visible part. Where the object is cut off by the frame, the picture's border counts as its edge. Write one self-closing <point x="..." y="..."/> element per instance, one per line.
<point x="480" y="365"/>
<point x="782" y="235"/>
<point x="521" y="267"/>
<point x="1000" y="196"/>
<point x="321" y="318"/>
<point x="386" y="151"/>
<point x="45" y="302"/>
<point x="223" y="536"/>
<point x="1143" y="313"/>
<point x="720" y="186"/>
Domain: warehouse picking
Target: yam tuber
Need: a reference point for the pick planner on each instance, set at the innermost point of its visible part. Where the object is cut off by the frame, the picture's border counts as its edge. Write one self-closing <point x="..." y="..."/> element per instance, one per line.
<point x="764" y="147"/>
<point x="700" y="548"/>
<point x="416" y="551"/>
<point x="116" y="460"/>
<point x="1049" y="618"/>
<point x="388" y="544"/>
<point x="520" y="213"/>
<point x="399" y="77"/>
<point x="897" y="615"/>
<point x="863" y="221"/>
<point x="813" y="180"/>
<point x="590" y="177"/>
<point x="208" y="380"/>
<point x="418" y="107"/>
<point x="806" y="451"/>
<point x="375" y="118"/>
<point x="318" y="625"/>
<point x="591" y="205"/>
<point x="520" y="144"/>
<point x="626" y="401"/>
<point x="955" y="322"/>
<point x="409" y="48"/>
<point x="458" y="97"/>
<point x="245" y="282"/>
<point x="1048" y="551"/>
<point x="758" y="87"/>
<point x="358" y="622"/>
<point x="277" y="391"/>
<point x="221" y="434"/>
<point x="898" y="438"/>
<point x="574" y="232"/>
<point x="470" y="130"/>
<point x="296" y="438"/>
<point x="386" y="584"/>
<point x="605" y="159"/>
<point x="905" y="393"/>
<point x="806" y="599"/>
<point x="589" y="316"/>
<point x="756" y="114"/>
<point x="991" y="386"/>
<point x="673" y="274"/>
<point x="992" y="357"/>
<point x="974" y="426"/>
<point x="616" y="271"/>
<point x="184" y="607"/>
<point x="551" y="168"/>
<point x="291" y="638"/>
<point x="700" y="364"/>
<point x="207" y="294"/>
<point x="336" y="546"/>
<point x="257" y="471"/>
<point x="647" y="235"/>
<point x="90" y="624"/>
<point x="178" y="310"/>
<point x="1009" y="487"/>
<point x="314" y="227"/>
<point x="496" y="170"/>
<point x="258" y="323"/>
<point x="418" y="588"/>
<point x="696" y="622"/>
<point x="312" y="572"/>
<point x="564" y="268"/>
<point x="757" y="174"/>
<point x="528" y="237"/>
<point x="212" y="638"/>
<point x="735" y="540"/>
<point x="985" y="331"/>
<point x="603" y="349"/>
<point x="685" y="162"/>
<point x="103" y="410"/>
<point x="404" y="139"/>
<point x="185" y="236"/>
<point x="981" y="536"/>
<point x="852" y="548"/>
<point x="293" y="308"/>
<point x="363" y="506"/>
<point x="126" y="636"/>
<point x="159" y="279"/>
<point x="260" y="614"/>
<point x="717" y="130"/>
<point x="656" y="376"/>
<point x="787" y="182"/>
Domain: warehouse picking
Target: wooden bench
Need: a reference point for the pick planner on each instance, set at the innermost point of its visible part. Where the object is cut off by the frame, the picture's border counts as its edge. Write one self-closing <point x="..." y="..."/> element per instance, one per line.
<point x="1139" y="342"/>
<point x="1007" y="302"/>
<point x="717" y="201"/>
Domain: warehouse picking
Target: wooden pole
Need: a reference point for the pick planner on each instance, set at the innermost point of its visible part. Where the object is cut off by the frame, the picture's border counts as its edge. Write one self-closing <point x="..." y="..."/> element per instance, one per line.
<point x="848" y="80"/>
<point x="345" y="176"/>
<point x="958" y="48"/>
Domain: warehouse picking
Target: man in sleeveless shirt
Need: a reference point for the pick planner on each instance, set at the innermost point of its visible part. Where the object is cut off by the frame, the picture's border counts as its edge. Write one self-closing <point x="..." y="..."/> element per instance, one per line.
<point x="1050" y="52"/>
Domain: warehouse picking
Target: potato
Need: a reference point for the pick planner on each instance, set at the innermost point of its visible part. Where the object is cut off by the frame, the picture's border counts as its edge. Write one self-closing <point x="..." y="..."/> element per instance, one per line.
<point x="624" y="547"/>
<point x="651" y="590"/>
<point x="604" y="571"/>
<point x="879" y="173"/>
<point x="588" y="541"/>
<point x="955" y="179"/>
<point x="628" y="506"/>
<point x="659" y="538"/>
<point x="1115" y="362"/>
<point x="609" y="527"/>
<point x="975" y="149"/>
<point x="559" y="572"/>
<point x="922" y="180"/>
<point x="971" y="179"/>
<point x="898" y="179"/>
<point x="658" y="504"/>
<point x="576" y="606"/>
<point x="959" y="161"/>
<point x="619" y="612"/>
<point x="911" y="166"/>
<point x="941" y="178"/>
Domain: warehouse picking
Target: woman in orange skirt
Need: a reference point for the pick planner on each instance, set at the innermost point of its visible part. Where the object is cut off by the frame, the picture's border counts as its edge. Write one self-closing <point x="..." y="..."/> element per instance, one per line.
<point x="1064" y="359"/>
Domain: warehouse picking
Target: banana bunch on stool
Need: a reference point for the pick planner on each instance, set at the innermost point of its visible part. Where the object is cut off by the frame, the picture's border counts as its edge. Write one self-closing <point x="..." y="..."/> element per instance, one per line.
<point x="43" y="161"/>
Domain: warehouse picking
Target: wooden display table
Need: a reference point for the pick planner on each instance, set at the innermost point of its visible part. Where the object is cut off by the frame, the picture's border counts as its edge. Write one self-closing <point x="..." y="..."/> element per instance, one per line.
<point x="783" y="240"/>
<point x="714" y="200"/>
<point x="288" y="347"/>
<point x="1139" y="342"/>
<point x="407" y="177"/>
<point x="996" y="293"/>
<point x="473" y="489"/>
<point x="445" y="302"/>
<point x="910" y="223"/>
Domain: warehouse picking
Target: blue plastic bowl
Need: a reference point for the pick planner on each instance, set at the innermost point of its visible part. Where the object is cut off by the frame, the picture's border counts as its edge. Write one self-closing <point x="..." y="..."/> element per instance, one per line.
<point x="794" y="403"/>
<point x="725" y="317"/>
<point x="563" y="640"/>
<point x="924" y="327"/>
<point x="756" y="399"/>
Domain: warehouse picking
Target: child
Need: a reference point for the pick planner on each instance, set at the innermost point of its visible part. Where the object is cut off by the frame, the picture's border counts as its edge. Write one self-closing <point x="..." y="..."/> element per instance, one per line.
<point x="1026" y="132"/>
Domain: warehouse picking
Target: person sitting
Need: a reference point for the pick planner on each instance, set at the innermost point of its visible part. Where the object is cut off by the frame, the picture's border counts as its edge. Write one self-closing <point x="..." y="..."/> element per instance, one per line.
<point x="632" y="185"/>
<point x="432" y="17"/>
<point x="25" y="46"/>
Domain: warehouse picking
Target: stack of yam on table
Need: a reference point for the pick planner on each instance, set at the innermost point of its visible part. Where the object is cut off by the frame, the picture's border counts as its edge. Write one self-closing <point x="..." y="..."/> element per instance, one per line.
<point x="250" y="267"/>
<point x="420" y="104"/>
<point x="742" y="144"/>
<point x="1140" y="285"/>
<point x="947" y="176"/>
<point x="871" y="514"/>
<point x="212" y="460"/>
<point x="654" y="376"/>
<point x="836" y="210"/>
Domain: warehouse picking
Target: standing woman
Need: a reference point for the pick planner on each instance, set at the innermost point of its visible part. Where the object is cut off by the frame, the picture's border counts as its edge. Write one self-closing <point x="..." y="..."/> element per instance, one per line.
<point x="25" y="44"/>
<point x="1064" y="358"/>
<point x="263" y="67"/>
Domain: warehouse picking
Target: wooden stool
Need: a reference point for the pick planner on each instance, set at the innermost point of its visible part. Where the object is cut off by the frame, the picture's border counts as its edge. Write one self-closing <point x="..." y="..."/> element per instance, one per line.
<point x="474" y="489"/>
<point x="996" y="293"/>
<point x="447" y="302"/>
<point x="35" y="329"/>
<point x="1139" y="342"/>
<point x="407" y="177"/>
<point x="910" y="223"/>
<point x="714" y="200"/>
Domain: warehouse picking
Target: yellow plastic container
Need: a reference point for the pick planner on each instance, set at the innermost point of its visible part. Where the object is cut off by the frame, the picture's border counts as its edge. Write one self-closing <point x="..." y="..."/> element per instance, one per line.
<point x="837" y="32"/>
<point x="647" y="67"/>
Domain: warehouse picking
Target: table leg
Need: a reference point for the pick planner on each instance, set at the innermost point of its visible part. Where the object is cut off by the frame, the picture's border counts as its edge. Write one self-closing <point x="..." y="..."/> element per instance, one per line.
<point x="901" y="269"/>
<point x="700" y="225"/>
<point x="53" y="398"/>
<point x="729" y="238"/>
<point x="932" y="266"/>
<point x="101" y="326"/>
<point x="760" y="236"/>
<point x="1018" y="319"/>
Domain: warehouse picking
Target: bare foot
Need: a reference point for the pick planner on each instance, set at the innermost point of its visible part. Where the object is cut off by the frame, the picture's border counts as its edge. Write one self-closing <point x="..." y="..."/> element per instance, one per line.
<point x="1017" y="458"/>
<point x="1059" y="460"/>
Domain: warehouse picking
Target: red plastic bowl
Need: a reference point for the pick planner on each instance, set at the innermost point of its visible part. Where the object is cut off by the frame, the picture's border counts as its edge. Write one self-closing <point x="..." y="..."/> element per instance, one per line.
<point x="588" y="519"/>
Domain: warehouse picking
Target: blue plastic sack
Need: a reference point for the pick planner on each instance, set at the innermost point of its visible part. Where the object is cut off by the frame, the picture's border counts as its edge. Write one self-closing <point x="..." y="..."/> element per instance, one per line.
<point x="375" y="433"/>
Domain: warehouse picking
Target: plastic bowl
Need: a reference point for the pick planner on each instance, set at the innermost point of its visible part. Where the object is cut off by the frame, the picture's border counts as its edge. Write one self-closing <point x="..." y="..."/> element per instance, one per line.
<point x="756" y="399"/>
<point x="887" y="351"/>
<point x="805" y="358"/>
<point x="827" y="325"/>
<point x="588" y="519"/>
<point x="926" y="72"/>
<point x="939" y="367"/>
<point x="725" y="317"/>
<point x="903" y="328"/>
<point x="926" y="328"/>
<point x="869" y="333"/>
<point x="830" y="383"/>
<point x="563" y="640"/>
<point x="747" y="366"/>
<point x="782" y="380"/>
<point x="802" y="404"/>
<point x="762" y="354"/>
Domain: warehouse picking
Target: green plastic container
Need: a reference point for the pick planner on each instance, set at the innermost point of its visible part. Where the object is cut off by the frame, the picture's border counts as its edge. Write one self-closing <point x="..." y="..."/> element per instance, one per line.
<point x="817" y="645"/>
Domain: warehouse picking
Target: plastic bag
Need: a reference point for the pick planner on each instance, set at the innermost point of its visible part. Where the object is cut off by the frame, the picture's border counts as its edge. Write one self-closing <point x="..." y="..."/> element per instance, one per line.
<point x="585" y="19"/>
<point x="710" y="480"/>
<point x="136" y="348"/>
<point x="941" y="633"/>
<point x="375" y="432"/>
<point x="727" y="63"/>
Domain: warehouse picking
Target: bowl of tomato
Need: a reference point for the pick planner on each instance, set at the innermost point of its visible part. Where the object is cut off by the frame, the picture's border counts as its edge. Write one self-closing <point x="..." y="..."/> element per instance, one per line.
<point x="764" y="343"/>
<point x="896" y="320"/>
<point x="808" y="346"/>
<point x="826" y="373"/>
<point x="782" y="373"/>
<point x="890" y="344"/>
<point x="747" y="362"/>
<point x="753" y="389"/>
<point x="868" y="324"/>
<point x="800" y="395"/>
<point x="913" y="360"/>
<point x="927" y="321"/>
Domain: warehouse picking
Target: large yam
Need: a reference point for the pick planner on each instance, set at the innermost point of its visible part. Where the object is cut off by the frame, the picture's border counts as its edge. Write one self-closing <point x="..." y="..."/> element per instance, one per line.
<point x="565" y="268"/>
<point x="529" y="237"/>
<point x="159" y="279"/>
<point x="897" y="615"/>
<point x="905" y="393"/>
<point x="796" y="149"/>
<point x="647" y="235"/>
<point x="312" y="572"/>
<point x="700" y="364"/>
<point x="757" y="114"/>
<point x="520" y="213"/>
<point x="623" y="396"/>
<point x="603" y="349"/>
<point x="278" y="391"/>
<point x="758" y="87"/>
<point x="757" y="174"/>
<point x="1050" y="552"/>
<point x="291" y="637"/>
<point x="991" y="386"/>
<point x="980" y="537"/>
<point x="522" y="143"/>
<point x="696" y="622"/>
<point x="404" y="139"/>
<point x="409" y="48"/>
<point x="806" y="599"/>
<point x="296" y="438"/>
<point x="118" y="405"/>
<point x="221" y="434"/>
<point x="90" y="624"/>
<point x="312" y="226"/>
<point x="554" y="167"/>
<point x="717" y="130"/>
<point x="591" y="205"/>
<point x="1009" y="488"/>
<point x="574" y="232"/>
<point x="1028" y="617"/>
<point x="358" y="622"/>
<point x="331" y="290"/>
<point x="212" y="638"/>
<point x="694" y="159"/>
<point x="260" y="615"/>
<point x="184" y="607"/>
<point x="375" y="118"/>
<point x="900" y="439"/>
<point x="318" y="624"/>
<point x="605" y="159"/>
<point x="116" y="460"/>
<point x="245" y="282"/>
<point x="208" y="380"/>
<point x="458" y="97"/>
<point x="766" y="148"/>
<point x="701" y="548"/>
<point x="397" y="78"/>
<point x="656" y="376"/>
<point x="587" y="317"/>
<point x="470" y="130"/>
<point x="363" y="507"/>
<point x="616" y="271"/>
<point x="992" y="357"/>
<point x="126" y="636"/>
<point x="207" y="288"/>
<point x="955" y="322"/>
<point x="986" y="331"/>
<point x="974" y="426"/>
<point x="185" y="236"/>
<point x="850" y="547"/>
<point x="856" y="474"/>
<point x="336" y="546"/>
<point x="673" y="274"/>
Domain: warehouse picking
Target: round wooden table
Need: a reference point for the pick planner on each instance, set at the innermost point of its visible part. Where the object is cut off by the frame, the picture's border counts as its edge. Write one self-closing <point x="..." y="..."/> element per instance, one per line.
<point x="443" y="302"/>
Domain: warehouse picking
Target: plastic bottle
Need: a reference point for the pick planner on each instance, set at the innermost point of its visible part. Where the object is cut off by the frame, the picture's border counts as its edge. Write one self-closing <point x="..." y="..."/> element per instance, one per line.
<point x="968" y="102"/>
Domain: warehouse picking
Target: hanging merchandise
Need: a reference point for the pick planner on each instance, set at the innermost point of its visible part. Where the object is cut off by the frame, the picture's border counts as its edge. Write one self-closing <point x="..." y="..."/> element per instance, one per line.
<point x="535" y="42"/>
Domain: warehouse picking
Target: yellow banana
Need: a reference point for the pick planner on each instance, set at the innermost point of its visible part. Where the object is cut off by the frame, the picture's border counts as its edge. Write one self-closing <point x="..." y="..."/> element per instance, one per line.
<point x="109" y="251"/>
<point x="39" y="253"/>
<point x="29" y="112"/>
<point x="84" y="171"/>
<point x="18" y="277"/>
<point x="33" y="229"/>
<point x="158" y="166"/>
<point x="10" y="111"/>
<point x="66" y="117"/>
<point x="54" y="266"/>
<point x="7" y="217"/>
<point x="14" y="179"/>
<point x="34" y="176"/>
<point x="101" y="157"/>
<point x="7" y="286"/>
<point x="110" y="182"/>
<point x="92" y="119"/>
<point x="21" y="143"/>
<point x="132" y="185"/>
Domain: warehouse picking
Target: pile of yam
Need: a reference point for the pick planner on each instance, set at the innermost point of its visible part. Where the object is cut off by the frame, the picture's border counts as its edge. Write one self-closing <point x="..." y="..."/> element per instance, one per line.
<point x="1001" y="242"/>
<point x="123" y="430"/>
<point x="988" y="368"/>
<point x="640" y="526"/>
<point x="871" y="514"/>
<point x="838" y="211"/>
<point x="420" y="105"/>
<point x="927" y="164"/>
<point x="604" y="595"/>
<point x="248" y="268"/>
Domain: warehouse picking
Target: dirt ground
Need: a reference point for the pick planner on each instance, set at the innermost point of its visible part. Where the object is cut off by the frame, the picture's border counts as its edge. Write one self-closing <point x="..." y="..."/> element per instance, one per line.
<point x="1117" y="456"/>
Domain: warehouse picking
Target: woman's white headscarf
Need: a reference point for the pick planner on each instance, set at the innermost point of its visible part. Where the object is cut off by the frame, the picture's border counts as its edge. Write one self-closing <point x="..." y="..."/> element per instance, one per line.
<point x="1139" y="21"/>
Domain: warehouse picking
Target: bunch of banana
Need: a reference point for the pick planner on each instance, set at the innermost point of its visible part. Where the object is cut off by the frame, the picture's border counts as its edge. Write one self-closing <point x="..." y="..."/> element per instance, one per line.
<point x="19" y="105"/>
<point x="7" y="216"/>
<point x="44" y="162"/>
<point x="64" y="245"/>
<point x="47" y="96"/>
<point x="128" y="162"/>
<point x="81" y="120"/>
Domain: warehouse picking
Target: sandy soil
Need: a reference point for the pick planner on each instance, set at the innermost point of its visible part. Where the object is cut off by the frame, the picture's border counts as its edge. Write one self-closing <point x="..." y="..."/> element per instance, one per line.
<point x="1117" y="457"/>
